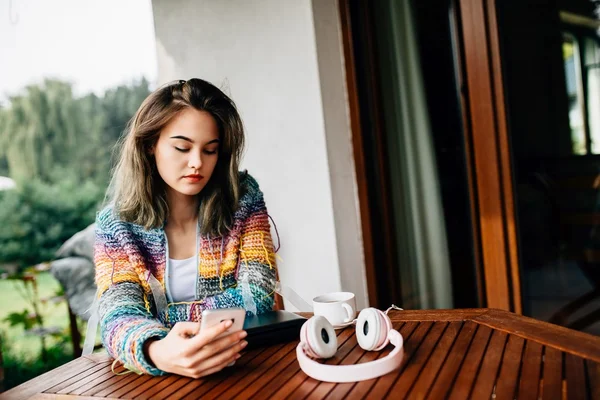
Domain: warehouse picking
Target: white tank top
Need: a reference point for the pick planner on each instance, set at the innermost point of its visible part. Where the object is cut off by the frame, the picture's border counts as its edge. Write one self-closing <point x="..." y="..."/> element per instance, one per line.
<point x="182" y="279"/>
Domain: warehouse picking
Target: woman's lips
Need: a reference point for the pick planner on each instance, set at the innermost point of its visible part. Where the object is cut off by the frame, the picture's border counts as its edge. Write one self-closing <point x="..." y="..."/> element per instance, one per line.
<point x="193" y="178"/>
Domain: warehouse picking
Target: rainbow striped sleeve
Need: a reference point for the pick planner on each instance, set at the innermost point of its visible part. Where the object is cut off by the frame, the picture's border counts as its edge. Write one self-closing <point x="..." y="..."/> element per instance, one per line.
<point x="125" y="319"/>
<point x="256" y="268"/>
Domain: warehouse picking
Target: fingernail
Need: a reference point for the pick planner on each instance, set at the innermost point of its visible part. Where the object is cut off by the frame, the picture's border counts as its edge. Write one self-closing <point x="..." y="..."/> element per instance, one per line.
<point x="243" y="344"/>
<point x="242" y="334"/>
<point x="228" y="323"/>
<point x="238" y="356"/>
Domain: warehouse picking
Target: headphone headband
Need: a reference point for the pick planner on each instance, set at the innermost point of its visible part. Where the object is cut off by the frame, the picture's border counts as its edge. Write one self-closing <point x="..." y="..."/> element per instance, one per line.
<point x="353" y="373"/>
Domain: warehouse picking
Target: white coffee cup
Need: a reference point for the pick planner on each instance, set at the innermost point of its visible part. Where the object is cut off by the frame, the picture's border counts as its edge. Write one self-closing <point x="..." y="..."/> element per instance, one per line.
<point x="338" y="307"/>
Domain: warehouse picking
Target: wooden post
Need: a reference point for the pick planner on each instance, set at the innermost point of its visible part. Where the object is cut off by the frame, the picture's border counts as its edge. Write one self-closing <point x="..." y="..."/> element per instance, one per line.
<point x="75" y="335"/>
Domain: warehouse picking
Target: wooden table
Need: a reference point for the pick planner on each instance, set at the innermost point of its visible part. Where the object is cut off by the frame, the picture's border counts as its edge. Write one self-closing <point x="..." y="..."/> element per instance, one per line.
<point x="456" y="354"/>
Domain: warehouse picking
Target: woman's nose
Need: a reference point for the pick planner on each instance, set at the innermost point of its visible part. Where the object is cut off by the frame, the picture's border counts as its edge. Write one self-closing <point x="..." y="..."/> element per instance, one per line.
<point x="195" y="161"/>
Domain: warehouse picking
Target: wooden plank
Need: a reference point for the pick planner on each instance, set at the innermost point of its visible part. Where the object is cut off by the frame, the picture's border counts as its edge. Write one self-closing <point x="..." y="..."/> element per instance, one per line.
<point x="593" y="378"/>
<point x="76" y="378"/>
<point x="575" y="373"/>
<point x="459" y="351"/>
<point x="140" y="380"/>
<point x="567" y="340"/>
<point x="99" y="375"/>
<point x="508" y="379"/>
<point x="436" y="315"/>
<point x="164" y="383"/>
<point x="345" y="358"/>
<point x="252" y="378"/>
<point x="111" y="385"/>
<point x="383" y="384"/>
<point x="552" y="374"/>
<point x="300" y="378"/>
<point x="430" y="372"/>
<point x="240" y="374"/>
<point x="531" y="371"/>
<point x="402" y="385"/>
<point x="361" y="389"/>
<point x="53" y="396"/>
<point x="193" y="385"/>
<point x="292" y="372"/>
<point x="485" y="379"/>
<point x="92" y="384"/>
<point x="50" y="379"/>
<point x="269" y="376"/>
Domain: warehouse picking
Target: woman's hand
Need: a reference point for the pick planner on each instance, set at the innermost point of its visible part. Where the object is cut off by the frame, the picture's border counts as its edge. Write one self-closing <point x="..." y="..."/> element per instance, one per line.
<point x="182" y="353"/>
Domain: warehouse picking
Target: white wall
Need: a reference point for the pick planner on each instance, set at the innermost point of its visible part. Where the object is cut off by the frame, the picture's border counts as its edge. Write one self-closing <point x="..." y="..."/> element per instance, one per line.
<point x="291" y="95"/>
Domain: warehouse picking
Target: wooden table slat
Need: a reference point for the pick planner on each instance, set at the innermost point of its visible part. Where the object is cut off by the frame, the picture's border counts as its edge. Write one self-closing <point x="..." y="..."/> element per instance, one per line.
<point x="74" y="379"/>
<point x="91" y="384"/>
<point x="50" y="379"/>
<point x="508" y="379"/>
<point x="239" y="384"/>
<point x="270" y="375"/>
<point x="300" y="378"/>
<point x="140" y="380"/>
<point x="564" y="339"/>
<point x="437" y="359"/>
<point x="403" y="384"/>
<point x="593" y="378"/>
<point x="361" y="389"/>
<point x="234" y="375"/>
<point x="306" y="389"/>
<point x="163" y="384"/>
<point x="103" y="373"/>
<point x="486" y="377"/>
<point x="191" y="385"/>
<point x="575" y="373"/>
<point x="552" y="374"/>
<point x="453" y="362"/>
<point x="111" y="385"/>
<point x="529" y="384"/>
<point x="465" y="378"/>
<point x="411" y="345"/>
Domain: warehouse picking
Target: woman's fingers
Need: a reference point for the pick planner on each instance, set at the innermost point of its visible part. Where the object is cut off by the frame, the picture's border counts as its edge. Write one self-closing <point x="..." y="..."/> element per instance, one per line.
<point x="215" y="369"/>
<point x="204" y="361"/>
<point x="209" y="334"/>
<point x="210" y="344"/>
<point x="219" y="345"/>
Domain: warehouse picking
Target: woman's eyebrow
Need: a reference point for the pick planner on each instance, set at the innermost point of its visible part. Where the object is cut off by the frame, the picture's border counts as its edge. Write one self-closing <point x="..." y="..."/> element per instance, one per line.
<point x="183" y="138"/>
<point x="191" y="141"/>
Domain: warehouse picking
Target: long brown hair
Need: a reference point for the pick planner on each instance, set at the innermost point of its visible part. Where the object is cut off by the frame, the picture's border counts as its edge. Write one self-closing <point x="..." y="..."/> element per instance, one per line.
<point x="137" y="192"/>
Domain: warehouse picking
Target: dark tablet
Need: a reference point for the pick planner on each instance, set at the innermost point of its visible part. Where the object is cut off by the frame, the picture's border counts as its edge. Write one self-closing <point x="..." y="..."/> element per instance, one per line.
<point x="273" y="327"/>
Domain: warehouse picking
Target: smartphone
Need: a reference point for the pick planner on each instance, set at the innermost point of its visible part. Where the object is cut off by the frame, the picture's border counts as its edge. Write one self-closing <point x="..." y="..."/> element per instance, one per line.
<point x="215" y="317"/>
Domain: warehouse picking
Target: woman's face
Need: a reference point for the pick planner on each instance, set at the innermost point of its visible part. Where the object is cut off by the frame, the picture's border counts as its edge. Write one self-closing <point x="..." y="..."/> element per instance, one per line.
<point x="187" y="151"/>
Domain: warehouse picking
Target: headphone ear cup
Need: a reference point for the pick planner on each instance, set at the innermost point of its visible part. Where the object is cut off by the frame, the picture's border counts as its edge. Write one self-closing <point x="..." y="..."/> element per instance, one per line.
<point x="372" y="328"/>
<point x="318" y="337"/>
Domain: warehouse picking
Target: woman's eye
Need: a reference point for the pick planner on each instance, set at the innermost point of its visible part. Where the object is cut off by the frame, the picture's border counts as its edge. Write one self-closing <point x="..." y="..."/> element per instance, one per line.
<point x="210" y="151"/>
<point x="182" y="150"/>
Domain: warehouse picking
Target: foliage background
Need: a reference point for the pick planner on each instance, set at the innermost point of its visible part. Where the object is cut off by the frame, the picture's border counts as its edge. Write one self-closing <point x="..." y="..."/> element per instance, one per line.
<point x="58" y="148"/>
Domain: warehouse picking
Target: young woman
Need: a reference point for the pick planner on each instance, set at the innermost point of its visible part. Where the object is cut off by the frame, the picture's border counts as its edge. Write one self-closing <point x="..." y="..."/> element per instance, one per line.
<point x="184" y="231"/>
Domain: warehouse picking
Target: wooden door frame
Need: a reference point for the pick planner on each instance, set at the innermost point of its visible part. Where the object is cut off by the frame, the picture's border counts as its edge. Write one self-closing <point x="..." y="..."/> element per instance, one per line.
<point x="488" y="156"/>
<point x="490" y="172"/>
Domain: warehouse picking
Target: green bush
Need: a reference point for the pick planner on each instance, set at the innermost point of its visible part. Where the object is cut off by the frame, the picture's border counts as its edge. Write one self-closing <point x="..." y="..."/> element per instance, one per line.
<point x="38" y="217"/>
<point x="19" y="368"/>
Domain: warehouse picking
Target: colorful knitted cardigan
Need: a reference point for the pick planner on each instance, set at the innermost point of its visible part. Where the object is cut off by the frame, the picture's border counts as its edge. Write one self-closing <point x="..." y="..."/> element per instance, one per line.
<point x="236" y="270"/>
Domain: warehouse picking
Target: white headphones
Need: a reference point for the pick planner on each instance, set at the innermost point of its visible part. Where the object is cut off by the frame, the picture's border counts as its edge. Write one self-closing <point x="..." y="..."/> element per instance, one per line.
<point x="373" y="331"/>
